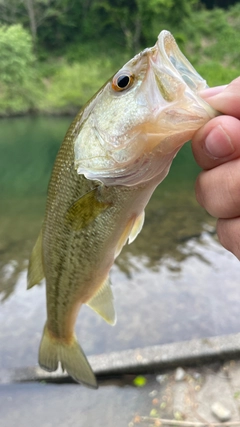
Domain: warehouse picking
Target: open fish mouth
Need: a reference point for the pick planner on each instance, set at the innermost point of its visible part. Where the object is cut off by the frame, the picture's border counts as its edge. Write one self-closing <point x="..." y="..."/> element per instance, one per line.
<point x="177" y="65"/>
<point x="177" y="80"/>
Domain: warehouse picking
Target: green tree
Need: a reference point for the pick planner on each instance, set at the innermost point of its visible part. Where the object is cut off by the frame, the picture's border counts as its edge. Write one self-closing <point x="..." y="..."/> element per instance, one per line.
<point x="131" y="23"/>
<point x="33" y="14"/>
<point x="18" y="76"/>
<point x="140" y="20"/>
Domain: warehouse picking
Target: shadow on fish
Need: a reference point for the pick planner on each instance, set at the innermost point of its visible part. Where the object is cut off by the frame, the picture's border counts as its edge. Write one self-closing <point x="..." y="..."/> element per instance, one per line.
<point x="117" y="150"/>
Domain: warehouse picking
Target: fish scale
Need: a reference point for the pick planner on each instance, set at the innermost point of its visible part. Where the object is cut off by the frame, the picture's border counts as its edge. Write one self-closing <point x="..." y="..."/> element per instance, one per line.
<point x="90" y="240"/>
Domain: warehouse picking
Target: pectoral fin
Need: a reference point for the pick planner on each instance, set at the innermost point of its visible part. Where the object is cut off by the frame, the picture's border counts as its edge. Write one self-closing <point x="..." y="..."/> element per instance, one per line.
<point x="130" y="233"/>
<point x="125" y="235"/>
<point x="138" y="225"/>
<point x="85" y="210"/>
<point x="102" y="303"/>
<point x="35" y="268"/>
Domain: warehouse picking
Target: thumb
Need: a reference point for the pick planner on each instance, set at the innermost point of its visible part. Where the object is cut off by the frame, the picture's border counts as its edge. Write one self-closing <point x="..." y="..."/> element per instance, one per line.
<point x="227" y="100"/>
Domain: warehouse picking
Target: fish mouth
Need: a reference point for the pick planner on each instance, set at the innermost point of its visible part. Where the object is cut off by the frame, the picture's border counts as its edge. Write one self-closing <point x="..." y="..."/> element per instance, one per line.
<point x="171" y="61"/>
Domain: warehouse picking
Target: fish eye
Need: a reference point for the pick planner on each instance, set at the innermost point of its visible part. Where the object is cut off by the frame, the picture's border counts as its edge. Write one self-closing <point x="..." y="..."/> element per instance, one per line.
<point x="122" y="81"/>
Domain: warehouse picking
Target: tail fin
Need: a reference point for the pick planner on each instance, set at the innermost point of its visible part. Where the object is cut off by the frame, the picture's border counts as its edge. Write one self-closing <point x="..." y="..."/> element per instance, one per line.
<point x="71" y="356"/>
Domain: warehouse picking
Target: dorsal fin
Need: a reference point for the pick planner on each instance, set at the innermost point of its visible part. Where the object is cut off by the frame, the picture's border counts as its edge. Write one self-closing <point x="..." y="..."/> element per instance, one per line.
<point x="35" y="268"/>
<point x="102" y="303"/>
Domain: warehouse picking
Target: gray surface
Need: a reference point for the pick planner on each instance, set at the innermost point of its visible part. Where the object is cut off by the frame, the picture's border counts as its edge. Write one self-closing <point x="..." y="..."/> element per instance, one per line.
<point x="47" y="406"/>
<point x="118" y="403"/>
<point x="34" y="398"/>
<point x="148" y="359"/>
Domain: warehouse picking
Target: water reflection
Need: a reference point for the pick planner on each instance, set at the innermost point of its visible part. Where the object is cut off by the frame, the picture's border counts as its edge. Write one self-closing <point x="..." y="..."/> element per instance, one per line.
<point x="172" y="219"/>
<point x="174" y="282"/>
<point x="154" y="306"/>
<point x="28" y="147"/>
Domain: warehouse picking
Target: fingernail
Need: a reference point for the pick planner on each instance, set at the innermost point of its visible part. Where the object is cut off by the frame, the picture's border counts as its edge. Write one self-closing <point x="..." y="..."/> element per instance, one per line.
<point x="218" y="144"/>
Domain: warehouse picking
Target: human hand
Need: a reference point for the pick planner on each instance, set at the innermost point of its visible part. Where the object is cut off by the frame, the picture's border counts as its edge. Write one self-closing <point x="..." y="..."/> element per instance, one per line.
<point x="216" y="148"/>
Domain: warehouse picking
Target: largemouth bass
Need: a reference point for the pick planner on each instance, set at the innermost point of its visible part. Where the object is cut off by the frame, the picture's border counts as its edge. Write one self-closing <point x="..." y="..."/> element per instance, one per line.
<point x="117" y="150"/>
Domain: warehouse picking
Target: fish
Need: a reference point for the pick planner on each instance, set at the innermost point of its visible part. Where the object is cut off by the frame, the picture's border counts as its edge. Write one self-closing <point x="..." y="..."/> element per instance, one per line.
<point x="115" y="153"/>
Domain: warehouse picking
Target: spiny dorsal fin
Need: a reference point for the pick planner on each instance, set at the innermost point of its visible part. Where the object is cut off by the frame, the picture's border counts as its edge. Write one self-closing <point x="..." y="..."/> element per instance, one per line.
<point x="102" y="303"/>
<point x="35" y="268"/>
<point x="138" y="225"/>
<point x="85" y="210"/>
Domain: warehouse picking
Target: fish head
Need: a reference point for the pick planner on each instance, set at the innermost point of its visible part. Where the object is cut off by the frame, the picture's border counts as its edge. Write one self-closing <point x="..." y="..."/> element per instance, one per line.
<point x="134" y="126"/>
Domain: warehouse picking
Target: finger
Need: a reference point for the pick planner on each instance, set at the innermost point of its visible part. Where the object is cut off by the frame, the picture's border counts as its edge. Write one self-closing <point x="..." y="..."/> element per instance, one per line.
<point x="228" y="231"/>
<point x="227" y="99"/>
<point x="217" y="142"/>
<point x="211" y="91"/>
<point x="217" y="190"/>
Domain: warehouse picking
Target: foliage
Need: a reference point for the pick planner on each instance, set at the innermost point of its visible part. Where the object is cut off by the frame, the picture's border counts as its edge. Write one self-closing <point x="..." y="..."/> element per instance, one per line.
<point x="73" y="84"/>
<point x="55" y="24"/>
<point x="210" y="4"/>
<point x="138" y="21"/>
<point x="16" y="54"/>
<point x="64" y="50"/>
<point x="216" y="74"/>
<point x="214" y="35"/>
<point x="17" y="86"/>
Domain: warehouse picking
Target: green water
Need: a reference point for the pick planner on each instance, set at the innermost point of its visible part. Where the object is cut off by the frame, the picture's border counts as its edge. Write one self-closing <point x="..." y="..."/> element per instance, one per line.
<point x="175" y="282"/>
<point x="28" y="147"/>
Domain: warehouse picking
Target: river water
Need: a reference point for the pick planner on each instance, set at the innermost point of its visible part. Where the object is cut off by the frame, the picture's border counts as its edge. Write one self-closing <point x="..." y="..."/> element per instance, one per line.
<point x="174" y="283"/>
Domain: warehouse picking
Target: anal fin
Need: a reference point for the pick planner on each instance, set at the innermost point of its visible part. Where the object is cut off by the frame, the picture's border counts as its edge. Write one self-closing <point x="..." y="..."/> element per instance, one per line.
<point x="102" y="303"/>
<point x="35" y="268"/>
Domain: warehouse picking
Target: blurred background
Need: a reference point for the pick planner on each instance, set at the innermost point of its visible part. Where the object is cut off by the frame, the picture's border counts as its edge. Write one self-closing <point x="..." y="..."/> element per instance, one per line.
<point x="175" y="282"/>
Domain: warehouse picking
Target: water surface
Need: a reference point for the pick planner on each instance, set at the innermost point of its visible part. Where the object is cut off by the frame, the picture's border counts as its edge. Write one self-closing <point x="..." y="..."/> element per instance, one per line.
<point x="175" y="282"/>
